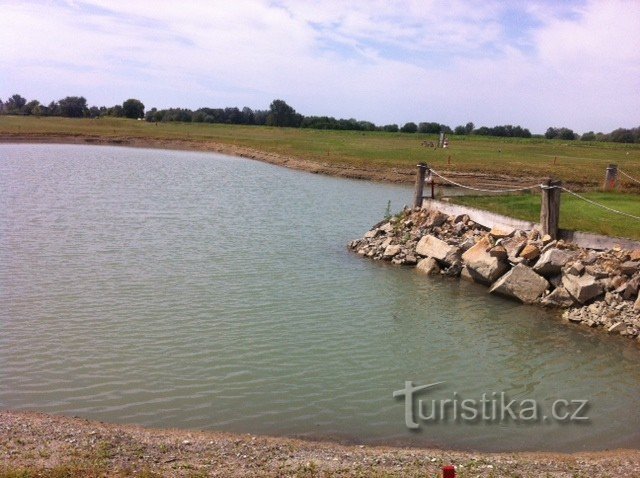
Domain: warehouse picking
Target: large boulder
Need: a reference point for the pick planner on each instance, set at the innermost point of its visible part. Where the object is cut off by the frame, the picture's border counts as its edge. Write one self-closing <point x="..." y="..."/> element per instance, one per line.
<point x="521" y="283"/>
<point x="551" y="262"/>
<point x="428" y="266"/>
<point x="482" y="266"/>
<point x="582" y="288"/>
<point x="431" y="246"/>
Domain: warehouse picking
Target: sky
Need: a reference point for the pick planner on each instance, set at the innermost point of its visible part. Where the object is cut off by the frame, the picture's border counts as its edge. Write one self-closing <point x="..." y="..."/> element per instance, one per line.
<point x="536" y="63"/>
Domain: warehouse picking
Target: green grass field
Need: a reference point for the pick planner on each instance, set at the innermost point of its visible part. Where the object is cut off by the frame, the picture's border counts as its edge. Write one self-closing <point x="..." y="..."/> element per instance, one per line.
<point x="575" y="161"/>
<point x="575" y="214"/>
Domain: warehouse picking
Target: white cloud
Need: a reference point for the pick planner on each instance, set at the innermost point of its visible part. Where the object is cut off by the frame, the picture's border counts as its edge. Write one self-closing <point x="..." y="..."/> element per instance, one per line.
<point x="384" y="61"/>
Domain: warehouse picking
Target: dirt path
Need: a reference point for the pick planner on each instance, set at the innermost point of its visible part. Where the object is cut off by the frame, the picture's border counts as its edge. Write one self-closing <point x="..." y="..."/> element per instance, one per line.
<point x="46" y="445"/>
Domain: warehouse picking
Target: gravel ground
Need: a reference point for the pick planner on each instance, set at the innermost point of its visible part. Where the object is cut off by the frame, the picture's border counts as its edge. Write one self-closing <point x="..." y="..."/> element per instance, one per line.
<point x="34" y="444"/>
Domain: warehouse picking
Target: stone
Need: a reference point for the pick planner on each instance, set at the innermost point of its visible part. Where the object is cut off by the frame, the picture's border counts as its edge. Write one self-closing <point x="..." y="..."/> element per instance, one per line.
<point x="534" y="234"/>
<point x="582" y="288"/>
<point x="436" y="219"/>
<point x="631" y="289"/>
<point x="546" y="239"/>
<point x="410" y="260"/>
<point x="431" y="246"/>
<point x="461" y="218"/>
<point x="576" y="269"/>
<point x="428" y="266"/>
<point x="630" y="267"/>
<point x="498" y="251"/>
<point x="465" y="274"/>
<point x="386" y="227"/>
<point x="636" y="306"/>
<point x="617" y="327"/>
<point x="552" y="262"/>
<point x="391" y="251"/>
<point x="530" y="252"/>
<point x="373" y="233"/>
<point x="387" y="242"/>
<point x="590" y="258"/>
<point x="514" y="245"/>
<point x="521" y="283"/>
<point x="500" y="232"/>
<point x="634" y="255"/>
<point x="560" y="297"/>
<point x="595" y="272"/>
<point x="481" y="265"/>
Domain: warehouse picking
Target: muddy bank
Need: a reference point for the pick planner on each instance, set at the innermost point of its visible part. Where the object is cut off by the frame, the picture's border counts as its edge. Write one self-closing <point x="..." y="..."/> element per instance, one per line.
<point x="598" y="289"/>
<point x="383" y="174"/>
<point x="46" y="445"/>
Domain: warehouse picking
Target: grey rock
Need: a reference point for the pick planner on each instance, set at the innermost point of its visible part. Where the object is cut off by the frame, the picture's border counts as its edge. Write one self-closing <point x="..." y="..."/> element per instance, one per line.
<point x="576" y="269"/>
<point x="582" y="288"/>
<point x="391" y="251"/>
<point x="630" y="267"/>
<point x="373" y="233"/>
<point x="431" y="246"/>
<point x="521" y="283"/>
<point x="436" y="219"/>
<point x="560" y="297"/>
<point x="428" y="266"/>
<point x="552" y="262"/>
<point x="481" y="265"/>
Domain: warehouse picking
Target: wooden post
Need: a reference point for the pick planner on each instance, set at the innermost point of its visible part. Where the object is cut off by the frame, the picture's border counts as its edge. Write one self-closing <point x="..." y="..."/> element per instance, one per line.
<point x="422" y="172"/>
<point x="550" y="207"/>
<point x="611" y="178"/>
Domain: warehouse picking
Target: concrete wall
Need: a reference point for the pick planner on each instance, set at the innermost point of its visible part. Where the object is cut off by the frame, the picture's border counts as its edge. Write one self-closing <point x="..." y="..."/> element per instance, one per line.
<point x="491" y="220"/>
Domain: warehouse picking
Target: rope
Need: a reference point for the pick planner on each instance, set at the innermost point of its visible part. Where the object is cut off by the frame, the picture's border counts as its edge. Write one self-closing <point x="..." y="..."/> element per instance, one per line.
<point x="598" y="204"/>
<point x="484" y="190"/>
<point x="632" y="179"/>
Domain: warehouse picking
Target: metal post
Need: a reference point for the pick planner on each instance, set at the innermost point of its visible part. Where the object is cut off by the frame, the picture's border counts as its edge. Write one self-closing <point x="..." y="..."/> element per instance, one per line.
<point x="550" y="207"/>
<point x="417" y="198"/>
<point x="611" y="178"/>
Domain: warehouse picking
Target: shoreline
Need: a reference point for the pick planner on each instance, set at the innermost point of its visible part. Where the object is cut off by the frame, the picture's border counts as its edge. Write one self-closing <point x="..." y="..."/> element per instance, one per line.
<point x="38" y="443"/>
<point x="388" y="175"/>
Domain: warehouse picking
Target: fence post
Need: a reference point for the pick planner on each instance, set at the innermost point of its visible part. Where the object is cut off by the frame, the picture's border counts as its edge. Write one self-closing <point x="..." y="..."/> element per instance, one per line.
<point x="550" y="207"/>
<point x="611" y="177"/>
<point x="422" y="172"/>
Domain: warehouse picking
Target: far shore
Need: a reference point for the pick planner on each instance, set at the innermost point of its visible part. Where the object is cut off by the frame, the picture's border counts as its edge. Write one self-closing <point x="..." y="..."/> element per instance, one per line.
<point x="395" y="175"/>
<point x="36" y="444"/>
<point x="406" y="176"/>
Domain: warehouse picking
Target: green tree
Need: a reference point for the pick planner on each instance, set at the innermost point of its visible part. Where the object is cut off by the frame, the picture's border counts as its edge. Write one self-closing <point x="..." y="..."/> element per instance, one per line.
<point x="409" y="128"/>
<point x="73" y="107"/>
<point x="133" y="108"/>
<point x="588" y="136"/>
<point x="14" y="105"/>
<point x="281" y="114"/>
<point x="469" y="127"/>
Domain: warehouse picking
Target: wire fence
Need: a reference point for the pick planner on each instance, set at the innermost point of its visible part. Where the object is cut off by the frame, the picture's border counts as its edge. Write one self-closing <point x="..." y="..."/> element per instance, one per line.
<point x="629" y="177"/>
<point x="542" y="186"/>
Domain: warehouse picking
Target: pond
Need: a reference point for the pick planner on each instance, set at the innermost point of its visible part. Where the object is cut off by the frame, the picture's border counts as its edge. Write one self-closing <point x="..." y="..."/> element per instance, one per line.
<point x="196" y="290"/>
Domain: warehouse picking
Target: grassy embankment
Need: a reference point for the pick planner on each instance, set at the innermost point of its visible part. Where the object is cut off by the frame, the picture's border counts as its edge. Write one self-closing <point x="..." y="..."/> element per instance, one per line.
<point x="577" y="163"/>
<point x="575" y="214"/>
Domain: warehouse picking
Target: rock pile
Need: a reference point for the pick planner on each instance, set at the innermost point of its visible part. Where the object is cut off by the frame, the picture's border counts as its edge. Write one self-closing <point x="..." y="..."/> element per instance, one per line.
<point x="597" y="288"/>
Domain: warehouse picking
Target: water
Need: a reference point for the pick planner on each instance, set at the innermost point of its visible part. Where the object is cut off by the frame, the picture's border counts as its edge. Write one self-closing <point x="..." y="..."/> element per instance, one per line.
<point x="194" y="290"/>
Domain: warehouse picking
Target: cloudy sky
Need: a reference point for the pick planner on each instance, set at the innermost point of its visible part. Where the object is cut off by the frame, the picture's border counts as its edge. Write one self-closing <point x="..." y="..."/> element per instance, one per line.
<point x="534" y="63"/>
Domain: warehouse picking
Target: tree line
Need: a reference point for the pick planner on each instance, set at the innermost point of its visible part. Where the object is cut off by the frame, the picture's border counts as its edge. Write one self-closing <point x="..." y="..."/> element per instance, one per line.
<point x="280" y="114"/>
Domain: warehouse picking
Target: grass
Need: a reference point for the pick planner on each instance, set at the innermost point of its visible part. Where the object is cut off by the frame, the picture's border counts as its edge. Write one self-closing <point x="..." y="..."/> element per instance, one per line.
<point x="572" y="161"/>
<point x="575" y="214"/>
